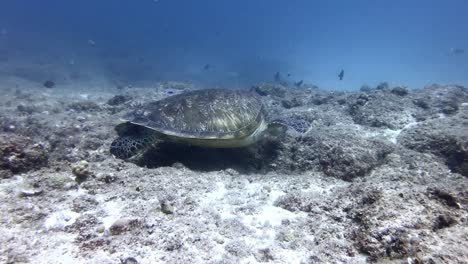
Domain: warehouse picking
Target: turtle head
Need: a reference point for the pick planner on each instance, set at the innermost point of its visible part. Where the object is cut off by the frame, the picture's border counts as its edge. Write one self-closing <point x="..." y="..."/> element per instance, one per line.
<point x="296" y="126"/>
<point x="133" y="141"/>
<point x="127" y="147"/>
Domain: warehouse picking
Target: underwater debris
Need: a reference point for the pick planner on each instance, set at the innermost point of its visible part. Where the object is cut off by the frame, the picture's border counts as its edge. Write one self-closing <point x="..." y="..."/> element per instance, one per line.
<point x="49" y="84"/>
<point x="31" y="192"/>
<point x="341" y="75"/>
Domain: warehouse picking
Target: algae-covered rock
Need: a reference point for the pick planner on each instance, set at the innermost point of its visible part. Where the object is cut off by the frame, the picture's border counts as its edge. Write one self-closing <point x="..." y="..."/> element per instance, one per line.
<point x="20" y="154"/>
<point x="81" y="171"/>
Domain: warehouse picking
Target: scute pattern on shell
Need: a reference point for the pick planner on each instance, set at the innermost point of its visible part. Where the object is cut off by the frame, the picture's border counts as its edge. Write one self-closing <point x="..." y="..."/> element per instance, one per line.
<point x="211" y="113"/>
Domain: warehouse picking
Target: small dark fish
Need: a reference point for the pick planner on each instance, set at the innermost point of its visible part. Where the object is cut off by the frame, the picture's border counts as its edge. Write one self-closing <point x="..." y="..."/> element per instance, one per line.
<point x="299" y="83"/>
<point x="170" y="92"/>
<point x="49" y="84"/>
<point x="341" y="75"/>
<point x="277" y="77"/>
<point x="289" y="75"/>
<point x="207" y="67"/>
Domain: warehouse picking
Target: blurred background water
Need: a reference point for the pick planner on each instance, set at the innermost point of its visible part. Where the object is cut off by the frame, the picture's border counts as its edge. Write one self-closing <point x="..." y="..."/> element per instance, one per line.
<point x="238" y="43"/>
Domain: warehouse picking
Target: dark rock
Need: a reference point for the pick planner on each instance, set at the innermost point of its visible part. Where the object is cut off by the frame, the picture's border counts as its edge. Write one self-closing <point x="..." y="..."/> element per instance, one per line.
<point x="348" y="162"/>
<point x="84" y="203"/>
<point x="321" y="99"/>
<point x="383" y="86"/>
<point x="94" y="243"/>
<point x="443" y="221"/>
<point x="341" y="101"/>
<point x="441" y="99"/>
<point x="264" y="255"/>
<point x="424" y="104"/>
<point x="5" y="174"/>
<point x="394" y="243"/>
<point x="444" y="196"/>
<point x="399" y="90"/>
<point x="124" y="225"/>
<point x="288" y="104"/>
<point x="276" y="90"/>
<point x="178" y="165"/>
<point x="365" y="88"/>
<point x="129" y="260"/>
<point x="295" y="201"/>
<point x="92" y="143"/>
<point x="26" y="109"/>
<point x="361" y="100"/>
<point x="20" y="154"/>
<point x="338" y="152"/>
<point x="49" y="84"/>
<point x="237" y="248"/>
<point x="166" y="207"/>
<point x="107" y="178"/>
<point x="449" y="107"/>
<point x="371" y="197"/>
<point x="444" y="137"/>
<point x="173" y="242"/>
<point x="380" y="110"/>
<point x="118" y="100"/>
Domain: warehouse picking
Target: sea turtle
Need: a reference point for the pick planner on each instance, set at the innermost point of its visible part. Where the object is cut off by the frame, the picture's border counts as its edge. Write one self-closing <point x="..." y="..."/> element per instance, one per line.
<point x="216" y="118"/>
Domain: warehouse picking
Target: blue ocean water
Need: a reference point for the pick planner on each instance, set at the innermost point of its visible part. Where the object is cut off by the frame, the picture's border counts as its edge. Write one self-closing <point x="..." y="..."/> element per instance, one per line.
<point x="238" y="43"/>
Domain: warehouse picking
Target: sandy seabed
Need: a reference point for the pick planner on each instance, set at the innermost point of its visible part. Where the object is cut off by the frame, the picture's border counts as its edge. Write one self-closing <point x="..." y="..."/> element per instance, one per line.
<point x="381" y="176"/>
